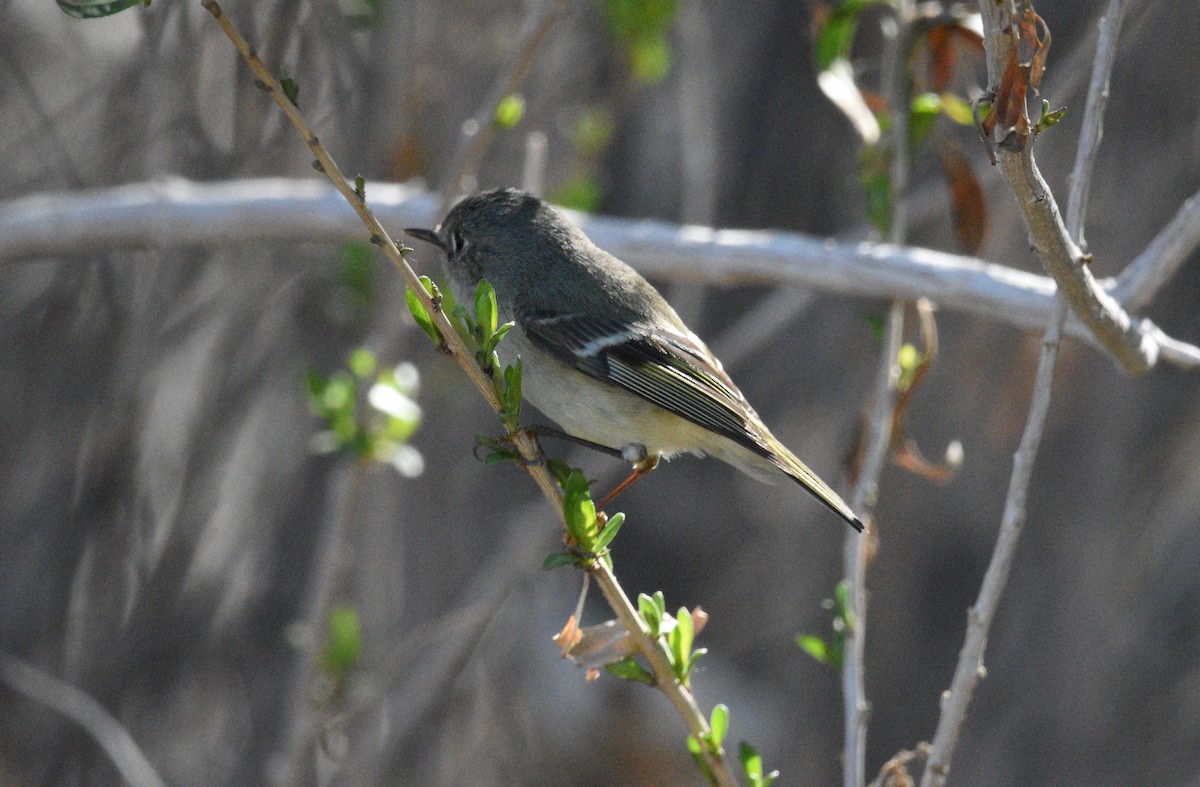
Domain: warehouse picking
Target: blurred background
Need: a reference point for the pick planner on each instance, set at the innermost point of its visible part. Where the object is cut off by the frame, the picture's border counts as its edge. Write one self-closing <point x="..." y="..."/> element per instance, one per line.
<point x="172" y="536"/>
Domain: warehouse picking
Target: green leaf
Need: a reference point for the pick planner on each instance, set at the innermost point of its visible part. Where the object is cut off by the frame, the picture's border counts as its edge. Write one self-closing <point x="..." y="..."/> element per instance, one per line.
<point x="509" y="111"/>
<point x="361" y="362"/>
<point x="291" y="88"/>
<point x="696" y="749"/>
<point x="957" y="109"/>
<point x="94" y="9"/>
<point x="579" y="511"/>
<point x="356" y="271"/>
<point x="681" y="638"/>
<point x="558" y="560"/>
<point x="581" y="193"/>
<point x="593" y="131"/>
<point x="628" y="669"/>
<point x="485" y="308"/>
<point x="360" y="187"/>
<point x="651" y="613"/>
<point x="609" y="532"/>
<point x="836" y="36"/>
<point x="344" y="642"/>
<point x="923" y="111"/>
<point x="649" y="59"/>
<point x="421" y="315"/>
<point x="815" y="647"/>
<point x="719" y="723"/>
<point x="751" y="762"/>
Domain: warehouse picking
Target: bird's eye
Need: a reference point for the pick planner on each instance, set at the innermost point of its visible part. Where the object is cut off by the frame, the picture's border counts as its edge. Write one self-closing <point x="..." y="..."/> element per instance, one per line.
<point x="457" y="243"/>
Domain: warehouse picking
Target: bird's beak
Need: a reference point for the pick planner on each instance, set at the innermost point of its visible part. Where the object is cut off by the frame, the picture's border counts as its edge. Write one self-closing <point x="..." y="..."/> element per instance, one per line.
<point x="429" y="236"/>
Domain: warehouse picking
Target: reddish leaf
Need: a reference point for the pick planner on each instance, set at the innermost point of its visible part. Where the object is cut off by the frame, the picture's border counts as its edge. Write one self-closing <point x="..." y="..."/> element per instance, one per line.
<point x="966" y="199"/>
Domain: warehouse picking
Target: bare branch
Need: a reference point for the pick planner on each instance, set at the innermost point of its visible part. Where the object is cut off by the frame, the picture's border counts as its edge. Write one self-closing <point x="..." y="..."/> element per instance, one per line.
<point x="970" y="670"/>
<point x="179" y="212"/>
<point x="82" y="709"/>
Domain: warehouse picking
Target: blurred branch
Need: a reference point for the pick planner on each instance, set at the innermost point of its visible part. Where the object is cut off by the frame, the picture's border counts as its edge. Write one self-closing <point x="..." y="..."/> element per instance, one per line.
<point x="1133" y="344"/>
<point x="665" y="680"/>
<point x="478" y="132"/>
<point x="1150" y="270"/>
<point x="177" y="212"/>
<point x="882" y="420"/>
<point x="80" y="708"/>
<point x="970" y="670"/>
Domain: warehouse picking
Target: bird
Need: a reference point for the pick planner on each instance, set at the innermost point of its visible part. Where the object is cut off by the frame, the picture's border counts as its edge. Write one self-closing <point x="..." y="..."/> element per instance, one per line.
<point x="603" y="354"/>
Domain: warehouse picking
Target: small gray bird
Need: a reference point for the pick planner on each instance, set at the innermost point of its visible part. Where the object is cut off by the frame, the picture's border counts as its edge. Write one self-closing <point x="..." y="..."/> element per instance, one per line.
<point x="604" y="355"/>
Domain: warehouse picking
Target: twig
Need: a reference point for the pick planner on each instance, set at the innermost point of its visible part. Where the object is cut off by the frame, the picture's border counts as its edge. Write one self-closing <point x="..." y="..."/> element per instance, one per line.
<point x="82" y="709"/>
<point x="970" y="669"/>
<point x="175" y="212"/>
<point x="880" y="425"/>
<point x="1093" y="121"/>
<point x="665" y="680"/>
<point x="1130" y="342"/>
<point x="858" y="546"/>
<point x="1159" y="261"/>
<point x="478" y="132"/>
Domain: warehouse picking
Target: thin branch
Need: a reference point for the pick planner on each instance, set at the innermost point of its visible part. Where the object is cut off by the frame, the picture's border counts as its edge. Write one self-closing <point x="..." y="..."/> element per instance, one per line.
<point x="82" y="709"/>
<point x="1130" y="342"/>
<point x="857" y="547"/>
<point x="178" y="212"/>
<point x="1171" y="247"/>
<point x="1092" y="130"/>
<point x="478" y="132"/>
<point x="970" y="670"/>
<point x="665" y="680"/>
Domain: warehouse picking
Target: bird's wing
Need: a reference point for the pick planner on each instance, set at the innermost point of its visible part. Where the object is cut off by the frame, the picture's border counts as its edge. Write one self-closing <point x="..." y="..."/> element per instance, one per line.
<point x="670" y="369"/>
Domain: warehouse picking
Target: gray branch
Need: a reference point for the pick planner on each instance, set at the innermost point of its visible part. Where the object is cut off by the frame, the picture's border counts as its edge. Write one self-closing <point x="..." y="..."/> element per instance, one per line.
<point x="172" y="213"/>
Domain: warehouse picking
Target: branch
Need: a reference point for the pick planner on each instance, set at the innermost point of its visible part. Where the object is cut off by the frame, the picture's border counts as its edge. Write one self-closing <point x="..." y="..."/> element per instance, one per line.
<point x="970" y="670"/>
<point x="665" y="680"/>
<point x="1133" y="344"/>
<point x="82" y="709"/>
<point x="178" y="212"/>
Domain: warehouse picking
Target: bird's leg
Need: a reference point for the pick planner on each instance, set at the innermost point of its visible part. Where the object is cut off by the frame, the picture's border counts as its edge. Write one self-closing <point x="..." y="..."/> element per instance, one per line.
<point x="640" y="468"/>
<point x="540" y="430"/>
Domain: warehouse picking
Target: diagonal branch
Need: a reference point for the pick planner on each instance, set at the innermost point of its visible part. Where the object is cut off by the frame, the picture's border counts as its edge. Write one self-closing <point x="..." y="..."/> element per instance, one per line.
<point x="665" y="680"/>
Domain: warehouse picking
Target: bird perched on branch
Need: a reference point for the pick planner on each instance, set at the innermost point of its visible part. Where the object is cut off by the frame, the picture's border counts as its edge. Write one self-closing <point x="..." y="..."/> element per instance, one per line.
<point x="603" y="354"/>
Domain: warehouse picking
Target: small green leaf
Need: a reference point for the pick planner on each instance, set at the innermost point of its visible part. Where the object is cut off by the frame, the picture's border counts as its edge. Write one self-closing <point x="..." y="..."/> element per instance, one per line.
<point x="1048" y="117"/>
<point x="696" y="749"/>
<point x="957" y="109"/>
<point x="485" y="308"/>
<point x="649" y="59"/>
<point x="509" y="111"/>
<point x="421" y="315"/>
<point x="558" y="560"/>
<point x="582" y="193"/>
<point x="651" y="613"/>
<point x="94" y="9"/>
<point x="628" y="669"/>
<point x="609" y="532"/>
<point x="751" y="762"/>
<point x="681" y="643"/>
<point x="291" y="88"/>
<point x="836" y="37"/>
<point x="579" y="511"/>
<point x="356" y="272"/>
<point x="815" y="647"/>
<point x="360" y="188"/>
<point x="923" y="111"/>
<point x="361" y="362"/>
<point x="719" y="723"/>
<point x="344" y="642"/>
